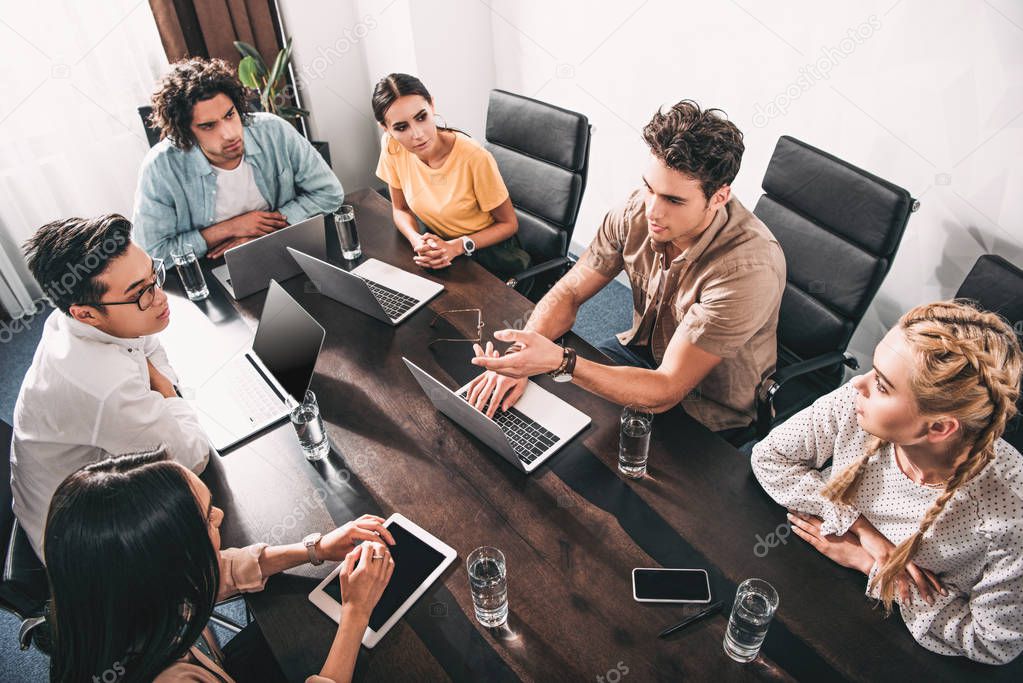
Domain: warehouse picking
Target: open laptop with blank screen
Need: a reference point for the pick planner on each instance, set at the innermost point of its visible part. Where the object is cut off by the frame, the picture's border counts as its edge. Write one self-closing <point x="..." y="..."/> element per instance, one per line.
<point x="258" y="387"/>
<point x="376" y="288"/>
<point x="249" y="267"/>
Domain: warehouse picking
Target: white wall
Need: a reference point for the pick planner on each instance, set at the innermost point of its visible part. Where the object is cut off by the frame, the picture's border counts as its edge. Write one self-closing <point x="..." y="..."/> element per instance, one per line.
<point x="927" y="95"/>
<point x="341" y="49"/>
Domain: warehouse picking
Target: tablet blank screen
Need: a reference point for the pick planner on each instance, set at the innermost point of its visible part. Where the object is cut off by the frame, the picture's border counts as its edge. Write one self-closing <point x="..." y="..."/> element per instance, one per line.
<point x="413" y="562"/>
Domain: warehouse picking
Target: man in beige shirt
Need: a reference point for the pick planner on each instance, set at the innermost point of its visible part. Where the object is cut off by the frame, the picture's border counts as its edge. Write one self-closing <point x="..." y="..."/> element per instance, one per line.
<point x="707" y="279"/>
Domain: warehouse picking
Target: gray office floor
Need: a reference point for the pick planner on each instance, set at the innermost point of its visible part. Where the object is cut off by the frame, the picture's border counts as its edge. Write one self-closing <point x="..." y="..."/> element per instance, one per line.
<point x="609" y="312"/>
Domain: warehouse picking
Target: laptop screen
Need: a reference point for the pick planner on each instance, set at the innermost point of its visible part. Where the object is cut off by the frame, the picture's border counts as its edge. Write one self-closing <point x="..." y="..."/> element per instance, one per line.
<point x="288" y="341"/>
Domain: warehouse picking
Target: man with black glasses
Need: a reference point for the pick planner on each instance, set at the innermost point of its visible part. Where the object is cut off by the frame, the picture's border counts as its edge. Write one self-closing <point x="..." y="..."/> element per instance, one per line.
<point x="100" y="383"/>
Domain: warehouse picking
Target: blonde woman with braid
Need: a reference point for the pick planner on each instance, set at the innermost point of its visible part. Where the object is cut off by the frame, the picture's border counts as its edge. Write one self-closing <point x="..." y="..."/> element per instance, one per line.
<point x="922" y="496"/>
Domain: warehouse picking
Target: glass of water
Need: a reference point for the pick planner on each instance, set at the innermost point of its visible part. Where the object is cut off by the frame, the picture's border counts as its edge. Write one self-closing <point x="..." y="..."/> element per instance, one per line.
<point x="634" y="445"/>
<point x="347" y="233"/>
<point x="309" y="426"/>
<point x="190" y="272"/>
<point x="755" y="604"/>
<point x="488" y="583"/>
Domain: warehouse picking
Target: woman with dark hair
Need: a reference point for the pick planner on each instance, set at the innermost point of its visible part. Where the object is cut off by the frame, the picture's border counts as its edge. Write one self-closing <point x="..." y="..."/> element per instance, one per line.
<point x="447" y="180"/>
<point x="134" y="561"/>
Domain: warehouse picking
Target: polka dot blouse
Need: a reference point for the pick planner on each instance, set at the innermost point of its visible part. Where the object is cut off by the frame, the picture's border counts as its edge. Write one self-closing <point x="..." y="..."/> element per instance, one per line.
<point x="975" y="546"/>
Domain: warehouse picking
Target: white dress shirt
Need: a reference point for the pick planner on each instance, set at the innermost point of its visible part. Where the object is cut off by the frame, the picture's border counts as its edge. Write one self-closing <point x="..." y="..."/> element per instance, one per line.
<point x="86" y="397"/>
<point x="975" y="546"/>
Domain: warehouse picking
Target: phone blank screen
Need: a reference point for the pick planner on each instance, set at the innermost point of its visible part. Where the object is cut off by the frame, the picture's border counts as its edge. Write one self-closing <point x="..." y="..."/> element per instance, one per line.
<point x="671" y="584"/>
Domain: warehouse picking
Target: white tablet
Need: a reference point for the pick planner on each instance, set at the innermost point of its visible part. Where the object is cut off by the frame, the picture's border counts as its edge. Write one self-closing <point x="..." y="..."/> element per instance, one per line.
<point x="419" y="558"/>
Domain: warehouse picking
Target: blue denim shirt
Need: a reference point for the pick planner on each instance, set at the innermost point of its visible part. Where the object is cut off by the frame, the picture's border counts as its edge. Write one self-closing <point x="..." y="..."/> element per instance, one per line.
<point x="177" y="191"/>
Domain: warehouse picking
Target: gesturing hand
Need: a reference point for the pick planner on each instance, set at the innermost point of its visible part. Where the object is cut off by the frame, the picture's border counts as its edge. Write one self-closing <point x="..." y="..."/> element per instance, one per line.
<point x="535" y="354"/>
<point x="491" y="390"/>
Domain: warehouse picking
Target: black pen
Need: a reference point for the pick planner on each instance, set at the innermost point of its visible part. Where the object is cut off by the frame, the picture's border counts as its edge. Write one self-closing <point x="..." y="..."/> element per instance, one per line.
<point x="711" y="609"/>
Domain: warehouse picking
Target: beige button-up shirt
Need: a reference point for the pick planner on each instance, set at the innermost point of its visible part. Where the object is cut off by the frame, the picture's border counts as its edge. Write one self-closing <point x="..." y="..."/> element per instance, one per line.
<point x="722" y="294"/>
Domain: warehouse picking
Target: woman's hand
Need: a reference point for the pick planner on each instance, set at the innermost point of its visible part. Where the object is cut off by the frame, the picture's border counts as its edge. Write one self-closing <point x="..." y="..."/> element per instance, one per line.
<point x="437" y="253"/>
<point x="364" y="575"/>
<point x="845" y="549"/>
<point x="881" y="549"/>
<point x="334" y="546"/>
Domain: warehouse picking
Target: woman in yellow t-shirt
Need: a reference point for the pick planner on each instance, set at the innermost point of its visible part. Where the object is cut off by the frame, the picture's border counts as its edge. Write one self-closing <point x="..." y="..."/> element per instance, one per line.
<point x="447" y="180"/>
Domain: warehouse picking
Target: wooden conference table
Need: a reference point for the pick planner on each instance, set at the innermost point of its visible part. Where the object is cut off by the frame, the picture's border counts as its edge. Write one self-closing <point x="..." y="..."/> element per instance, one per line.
<point x="572" y="531"/>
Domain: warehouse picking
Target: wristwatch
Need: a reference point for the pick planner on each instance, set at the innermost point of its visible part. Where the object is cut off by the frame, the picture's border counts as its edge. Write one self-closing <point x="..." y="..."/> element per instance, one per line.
<point x="310" y="542"/>
<point x="563" y="373"/>
<point x="468" y="245"/>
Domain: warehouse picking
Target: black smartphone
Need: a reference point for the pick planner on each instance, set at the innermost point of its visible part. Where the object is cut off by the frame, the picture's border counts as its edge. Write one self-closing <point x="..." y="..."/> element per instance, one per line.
<point x="670" y="585"/>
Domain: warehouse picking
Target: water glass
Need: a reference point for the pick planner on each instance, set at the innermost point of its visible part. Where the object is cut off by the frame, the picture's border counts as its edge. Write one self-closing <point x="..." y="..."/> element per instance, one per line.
<point x="755" y="604"/>
<point x="488" y="583"/>
<point x="347" y="233"/>
<point x="309" y="426"/>
<point x="634" y="444"/>
<point x="190" y="272"/>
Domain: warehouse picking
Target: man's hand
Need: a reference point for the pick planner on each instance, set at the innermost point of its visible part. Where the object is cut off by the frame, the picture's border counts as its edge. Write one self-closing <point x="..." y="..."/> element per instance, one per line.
<point x="880" y="548"/>
<point x="335" y="545"/>
<point x="256" y="223"/>
<point x="437" y="253"/>
<point x="218" y="251"/>
<point x="534" y="354"/>
<point x="491" y="390"/>
<point x="845" y="549"/>
<point x="159" y="383"/>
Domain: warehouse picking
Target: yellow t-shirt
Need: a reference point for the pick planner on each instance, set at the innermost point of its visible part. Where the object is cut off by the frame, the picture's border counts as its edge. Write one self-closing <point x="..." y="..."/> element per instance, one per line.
<point x="455" y="199"/>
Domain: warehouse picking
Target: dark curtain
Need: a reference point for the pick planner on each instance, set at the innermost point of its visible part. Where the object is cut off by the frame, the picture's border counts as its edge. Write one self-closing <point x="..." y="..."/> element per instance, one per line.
<point x="208" y="28"/>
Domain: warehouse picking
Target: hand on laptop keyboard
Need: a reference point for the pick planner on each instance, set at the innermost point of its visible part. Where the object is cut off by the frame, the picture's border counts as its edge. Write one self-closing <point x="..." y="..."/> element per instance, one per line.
<point x="490" y="390"/>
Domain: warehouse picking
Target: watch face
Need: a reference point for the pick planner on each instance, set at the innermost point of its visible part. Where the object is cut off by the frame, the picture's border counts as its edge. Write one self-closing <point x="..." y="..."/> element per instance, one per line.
<point x="563" y="378"/>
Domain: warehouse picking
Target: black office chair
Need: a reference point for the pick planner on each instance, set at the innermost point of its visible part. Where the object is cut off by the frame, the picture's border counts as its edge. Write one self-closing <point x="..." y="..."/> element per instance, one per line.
<point x="839" y="227"/>
<point x="997" y="286"/>
<point x="24" y="590"/>
<point x="543" y="153"/>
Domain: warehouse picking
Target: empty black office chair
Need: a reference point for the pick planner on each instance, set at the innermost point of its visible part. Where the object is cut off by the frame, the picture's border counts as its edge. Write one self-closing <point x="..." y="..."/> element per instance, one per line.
<point x="24" y="590"/>
<point x="839" y="227"/>
<point x="997" y="286"/>
<point x="543" y="153"/>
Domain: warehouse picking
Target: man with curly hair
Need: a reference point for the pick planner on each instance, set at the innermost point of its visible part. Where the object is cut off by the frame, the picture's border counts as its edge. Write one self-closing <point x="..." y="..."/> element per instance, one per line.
<point x="707" y="278"/>
<point x="221" y="174"/>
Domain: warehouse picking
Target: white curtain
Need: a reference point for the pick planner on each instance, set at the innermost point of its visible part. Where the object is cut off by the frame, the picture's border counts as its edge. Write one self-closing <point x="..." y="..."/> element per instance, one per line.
<point x="73" y="76"/>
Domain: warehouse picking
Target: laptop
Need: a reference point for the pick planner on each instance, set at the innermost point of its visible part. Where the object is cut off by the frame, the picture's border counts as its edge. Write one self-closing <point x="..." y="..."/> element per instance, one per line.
<point x="258" y="388"/>
<point x="248" y="268"/>
<point x="376" y="288"/>
<point x="527" y="435"/>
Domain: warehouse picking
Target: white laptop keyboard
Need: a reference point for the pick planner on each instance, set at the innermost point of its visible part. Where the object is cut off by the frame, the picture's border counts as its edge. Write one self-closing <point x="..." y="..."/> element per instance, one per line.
<point x="528" y="438"/>
<point x="253" y="395"/>
<point x="395" y="304"/>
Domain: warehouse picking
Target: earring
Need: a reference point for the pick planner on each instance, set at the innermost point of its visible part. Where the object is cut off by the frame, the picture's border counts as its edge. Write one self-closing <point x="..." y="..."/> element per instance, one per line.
<point x="441" y="123"/>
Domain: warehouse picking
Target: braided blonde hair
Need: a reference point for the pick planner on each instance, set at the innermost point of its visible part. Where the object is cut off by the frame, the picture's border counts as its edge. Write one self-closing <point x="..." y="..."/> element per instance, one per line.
<point x="967" y="364"/>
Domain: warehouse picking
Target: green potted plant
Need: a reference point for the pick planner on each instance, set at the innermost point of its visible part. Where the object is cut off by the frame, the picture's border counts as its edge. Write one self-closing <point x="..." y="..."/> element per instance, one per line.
<point x="273" y="87"/>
